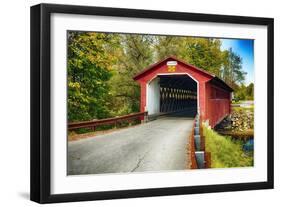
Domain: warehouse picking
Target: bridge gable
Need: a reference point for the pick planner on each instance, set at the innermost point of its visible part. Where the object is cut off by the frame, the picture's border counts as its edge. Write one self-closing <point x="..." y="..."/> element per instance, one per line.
<point x="173" y="66"/>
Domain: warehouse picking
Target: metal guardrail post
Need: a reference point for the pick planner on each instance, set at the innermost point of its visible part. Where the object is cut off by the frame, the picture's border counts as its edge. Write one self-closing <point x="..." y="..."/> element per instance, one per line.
<point x="196" y="131"/>
<point x="192" y="149"/>
<point x="197" y="139"/>
<point x="202" y="158"/>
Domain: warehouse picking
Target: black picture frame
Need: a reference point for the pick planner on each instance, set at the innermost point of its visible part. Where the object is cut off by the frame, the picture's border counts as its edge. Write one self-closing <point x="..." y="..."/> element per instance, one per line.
<point x="41" y="96"/>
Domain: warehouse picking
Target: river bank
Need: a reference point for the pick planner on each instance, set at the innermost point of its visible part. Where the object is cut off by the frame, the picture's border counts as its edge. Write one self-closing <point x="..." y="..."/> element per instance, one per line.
<point x="239" y="124"/>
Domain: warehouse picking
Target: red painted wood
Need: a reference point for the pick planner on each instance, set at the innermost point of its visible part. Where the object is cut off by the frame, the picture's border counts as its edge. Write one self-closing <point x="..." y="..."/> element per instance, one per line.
<point x="218" y="104"/>
<point x="214" y="102"/>
<point x="143" y="96"/>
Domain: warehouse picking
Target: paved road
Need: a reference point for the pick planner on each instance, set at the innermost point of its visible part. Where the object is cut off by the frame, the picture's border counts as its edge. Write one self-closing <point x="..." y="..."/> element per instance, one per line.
<point x="154" y="146"/>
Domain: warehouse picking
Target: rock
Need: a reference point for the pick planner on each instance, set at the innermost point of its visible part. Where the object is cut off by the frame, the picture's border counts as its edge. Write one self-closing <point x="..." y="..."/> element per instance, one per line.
<point x="241" y="120"/>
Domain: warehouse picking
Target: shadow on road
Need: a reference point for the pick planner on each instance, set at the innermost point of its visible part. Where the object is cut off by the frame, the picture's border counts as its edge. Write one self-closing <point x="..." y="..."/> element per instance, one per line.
<point x="188" y="113"/>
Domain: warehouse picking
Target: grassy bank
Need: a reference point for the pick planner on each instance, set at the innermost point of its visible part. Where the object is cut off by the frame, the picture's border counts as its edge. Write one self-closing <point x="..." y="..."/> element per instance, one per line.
<point x="238" y="109"/>
<point x="225" y="152"/>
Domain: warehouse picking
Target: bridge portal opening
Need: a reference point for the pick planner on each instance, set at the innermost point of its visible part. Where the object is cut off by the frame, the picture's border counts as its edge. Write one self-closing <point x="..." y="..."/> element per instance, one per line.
<point x="172" y="93"/>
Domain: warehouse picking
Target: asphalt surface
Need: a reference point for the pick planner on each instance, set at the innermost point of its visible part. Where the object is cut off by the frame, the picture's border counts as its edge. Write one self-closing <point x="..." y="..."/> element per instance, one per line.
<point x="154" y="146"/>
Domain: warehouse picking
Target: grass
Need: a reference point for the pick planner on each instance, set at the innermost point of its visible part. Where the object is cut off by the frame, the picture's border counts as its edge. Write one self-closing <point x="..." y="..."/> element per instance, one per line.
<point x="238" y="109"/>
<point x="225" y="152"/>
<point x="236" y="102"/>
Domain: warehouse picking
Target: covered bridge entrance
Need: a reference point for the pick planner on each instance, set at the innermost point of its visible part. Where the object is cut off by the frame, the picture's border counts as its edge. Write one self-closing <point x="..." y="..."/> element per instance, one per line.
<point x="171" y="92"/>
<point x="172" y="85"/>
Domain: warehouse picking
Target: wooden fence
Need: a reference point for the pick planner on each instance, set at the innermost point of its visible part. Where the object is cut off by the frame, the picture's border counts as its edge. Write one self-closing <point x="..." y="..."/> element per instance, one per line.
<point x="142" y="116"/>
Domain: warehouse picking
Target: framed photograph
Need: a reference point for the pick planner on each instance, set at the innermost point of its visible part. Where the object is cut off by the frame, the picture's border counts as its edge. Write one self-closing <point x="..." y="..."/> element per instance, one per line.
<point x="132" y="103"/>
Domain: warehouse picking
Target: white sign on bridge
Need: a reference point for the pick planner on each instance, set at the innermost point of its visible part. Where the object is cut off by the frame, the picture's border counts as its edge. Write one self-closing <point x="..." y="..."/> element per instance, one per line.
<point x="172" y="63"/>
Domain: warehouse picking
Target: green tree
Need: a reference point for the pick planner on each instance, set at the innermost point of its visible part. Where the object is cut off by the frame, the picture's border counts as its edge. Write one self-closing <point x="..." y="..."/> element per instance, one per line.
<point x="232" y="72"/>
<point x="250" y="91"/>
<point x="240" y="93"/>
<point x="243" y="92"/>
<point x="89" y="69"/>
<point x="204" y="53"/>
<point x="135" y="53"/>
<point x="165" y="46"/>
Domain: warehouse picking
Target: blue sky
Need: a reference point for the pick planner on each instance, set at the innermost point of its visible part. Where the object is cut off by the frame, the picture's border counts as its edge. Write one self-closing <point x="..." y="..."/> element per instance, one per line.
<point x="245" y="49"/>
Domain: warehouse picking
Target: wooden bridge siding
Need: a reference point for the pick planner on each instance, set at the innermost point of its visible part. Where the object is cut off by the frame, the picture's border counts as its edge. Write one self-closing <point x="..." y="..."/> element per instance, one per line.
<point x="216" y="107"/>
<point x="202" y="99"/>
<point x="143" y="96"/>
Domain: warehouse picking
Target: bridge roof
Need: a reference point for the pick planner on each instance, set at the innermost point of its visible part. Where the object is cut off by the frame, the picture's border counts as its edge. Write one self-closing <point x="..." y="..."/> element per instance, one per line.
<point x="214" y="79"/>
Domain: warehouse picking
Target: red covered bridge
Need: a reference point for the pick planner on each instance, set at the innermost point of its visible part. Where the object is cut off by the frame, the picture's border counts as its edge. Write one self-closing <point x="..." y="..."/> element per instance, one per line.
<point x="172" y="85"/>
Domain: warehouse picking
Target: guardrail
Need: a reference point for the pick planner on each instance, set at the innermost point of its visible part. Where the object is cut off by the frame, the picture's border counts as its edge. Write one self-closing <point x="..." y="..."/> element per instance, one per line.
<point x="193" y="162"/>
<point x="110" y="121"/>
<point x="198" y="156"/>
